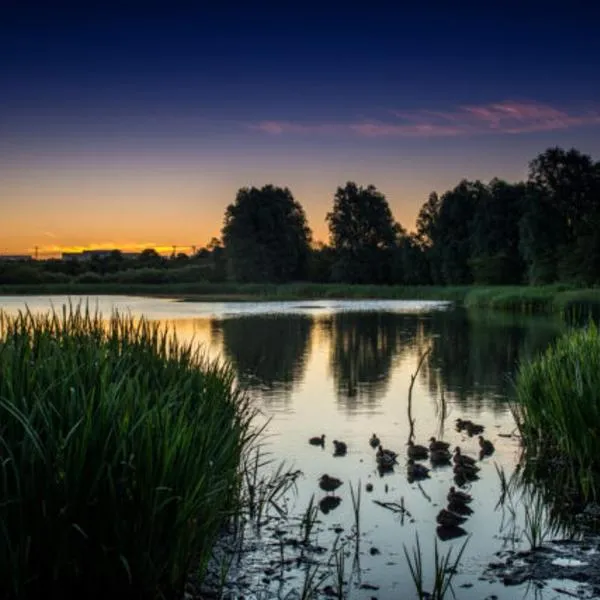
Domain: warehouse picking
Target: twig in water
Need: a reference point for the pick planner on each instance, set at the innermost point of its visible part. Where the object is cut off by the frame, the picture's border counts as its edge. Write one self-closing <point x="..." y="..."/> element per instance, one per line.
<point x="411" y="421"/>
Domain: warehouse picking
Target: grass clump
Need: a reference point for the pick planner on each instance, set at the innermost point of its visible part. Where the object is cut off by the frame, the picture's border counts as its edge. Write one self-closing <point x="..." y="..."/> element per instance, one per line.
<point x="119" y="456"/>
<point x="558" y="401"/>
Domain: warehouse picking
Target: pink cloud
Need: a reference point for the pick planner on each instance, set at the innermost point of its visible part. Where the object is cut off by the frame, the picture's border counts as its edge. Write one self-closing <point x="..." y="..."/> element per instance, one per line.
<point x="508" y="117"/>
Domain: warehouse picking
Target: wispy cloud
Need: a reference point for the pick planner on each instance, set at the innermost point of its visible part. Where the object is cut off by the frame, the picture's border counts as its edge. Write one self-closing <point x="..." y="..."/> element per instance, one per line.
<point x="507" y="117"/>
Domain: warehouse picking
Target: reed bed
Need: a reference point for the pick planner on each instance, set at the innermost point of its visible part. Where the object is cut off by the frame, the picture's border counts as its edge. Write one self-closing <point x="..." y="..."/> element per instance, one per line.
<point x="557" y="404"/>
<point x="120" y="453"/>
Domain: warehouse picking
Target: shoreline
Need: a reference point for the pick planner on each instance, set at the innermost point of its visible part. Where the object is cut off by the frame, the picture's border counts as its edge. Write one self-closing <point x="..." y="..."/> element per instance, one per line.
<point x="549" y="299"/>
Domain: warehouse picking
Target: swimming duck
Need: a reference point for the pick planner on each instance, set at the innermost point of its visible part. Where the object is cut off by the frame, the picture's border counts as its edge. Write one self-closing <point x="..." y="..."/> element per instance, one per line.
<point x="329" y="503"/>
<point x="486" y="446"/>
<point x="440" y="457"/>
<point x="329" y="484"/>
<point x="467" y="471"/>
<point x="462" y="459"/>
<point x="416" y="470"/>
<point x="459" y="508"/>
<point x="375" y="442"/>
<point x="381" y="450"/>
<point x="417" y="452"/>
<point x="438" y="444"/>
<point x="474" y="429"/>
<point x="455" y="495"/>
<point x="340" y="448"/>
<point x="448" y="519"/>
<point x="385" y="460"/>
<point x="317" y="440"/>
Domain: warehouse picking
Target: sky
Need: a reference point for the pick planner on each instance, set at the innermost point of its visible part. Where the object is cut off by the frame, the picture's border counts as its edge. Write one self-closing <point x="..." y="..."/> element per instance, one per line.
<point x="134" y="125"/>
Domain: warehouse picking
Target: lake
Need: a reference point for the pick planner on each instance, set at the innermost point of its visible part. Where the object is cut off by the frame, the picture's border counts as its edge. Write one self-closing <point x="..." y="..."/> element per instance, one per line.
<point x="343" y="369"/>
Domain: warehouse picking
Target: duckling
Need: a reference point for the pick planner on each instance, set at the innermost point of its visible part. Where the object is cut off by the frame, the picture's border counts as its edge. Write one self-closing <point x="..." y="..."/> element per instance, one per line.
<point x="438" y="444"/>
<point x="340" y="448"/>
<point x="381" y="450"/>
<point x="462" y="424"/>
<point x="461" y="478"/>
<point x="462" y="459"/>
<point x="329" y="484"/>
<point x="486" y="446"/>
<point x="416" y="470"/>
<point x="465" y="472"/>
<point x="329" y="503"/>
<point x="417" y="452"/>
<point x="317" y="440"/>
<point x="474" y="429"/>
<point x="374" y="442"/>
<point x="385" y="461"/>
<point x="445" y="518"/>
<point x="440" y="457"/>
<point x="455" y="495"/>
<point x="459" y="508"/>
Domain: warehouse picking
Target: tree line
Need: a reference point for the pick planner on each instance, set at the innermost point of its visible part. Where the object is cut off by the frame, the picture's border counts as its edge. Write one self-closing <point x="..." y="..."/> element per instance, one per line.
<point x="542" y="230"/>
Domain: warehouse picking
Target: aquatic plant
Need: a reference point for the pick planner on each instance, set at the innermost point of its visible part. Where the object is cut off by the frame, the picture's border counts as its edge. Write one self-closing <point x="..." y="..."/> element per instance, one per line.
<point x="557" y="405"/>
<point x="444" y="569"/>
<point x="121" y="452"/>
<point x="309" y="518"/>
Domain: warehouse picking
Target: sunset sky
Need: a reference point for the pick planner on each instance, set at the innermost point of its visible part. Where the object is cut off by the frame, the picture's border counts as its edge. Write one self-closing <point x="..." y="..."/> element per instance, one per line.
<point x="135" y="128"/>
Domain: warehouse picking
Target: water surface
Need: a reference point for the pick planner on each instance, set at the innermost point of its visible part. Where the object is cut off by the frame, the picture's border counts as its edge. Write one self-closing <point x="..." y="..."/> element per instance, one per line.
<point x="343" y="368"/>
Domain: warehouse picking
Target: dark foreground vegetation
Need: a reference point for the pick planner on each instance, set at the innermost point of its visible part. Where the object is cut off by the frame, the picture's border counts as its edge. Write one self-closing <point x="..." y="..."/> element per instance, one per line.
<point x="558" y="406"/>
<point x="538" y="232"/>
<point x="120" y="454"/>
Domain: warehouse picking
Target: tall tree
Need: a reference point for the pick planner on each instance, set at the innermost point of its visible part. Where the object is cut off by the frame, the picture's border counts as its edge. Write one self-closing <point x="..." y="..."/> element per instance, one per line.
<point x="428" y="237"/>
<point x="266" y="235"/>
<point x="495" y="255"/>
<point x="564" y="206"/>
<point x="454" y="228"/>
<point x="363" y="233"/>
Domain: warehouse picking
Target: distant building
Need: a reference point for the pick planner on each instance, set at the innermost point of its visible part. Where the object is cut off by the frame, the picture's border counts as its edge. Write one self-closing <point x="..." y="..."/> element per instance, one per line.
<point x="87" y="255"/>
<point x="15" y="257"/>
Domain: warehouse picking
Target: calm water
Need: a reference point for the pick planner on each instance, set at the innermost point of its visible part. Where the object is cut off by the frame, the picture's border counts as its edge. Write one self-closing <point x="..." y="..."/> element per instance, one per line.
<point x="343" y="368"/>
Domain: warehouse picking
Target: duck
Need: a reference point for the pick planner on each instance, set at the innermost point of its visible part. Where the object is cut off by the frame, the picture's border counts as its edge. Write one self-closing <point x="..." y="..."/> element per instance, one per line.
<point x="459" y="508"/>
<point x="455" y="495"/>
<point x="438" y="444"/>
<point x="416" y="470"/>
<point x="445" y="518"/>
<point x="340" y="448"/>
<point x="374" y="442"/>
<point x="329" y="503"/>
<point x="462" y="424"/>
<point x="329" y="484"/>
<point x="381" y="450"/>
<point x="385" y="462"/>
<point x="440" y="457"/>
<point x="317" y="440"/>
<point x="474" y="429"/>
<point x="486" y="446"/>
<point x="417" y="452"/>
<point x="462" y="459"/>
<point x="468" y="472"/>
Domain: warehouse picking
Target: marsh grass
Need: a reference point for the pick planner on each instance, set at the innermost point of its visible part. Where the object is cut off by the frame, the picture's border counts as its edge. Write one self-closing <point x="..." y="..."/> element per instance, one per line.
<point x="557" y="407"/>
<point x="444" y="569"/>
<point x="309" y="519"/>
<point x="121" y="452"/>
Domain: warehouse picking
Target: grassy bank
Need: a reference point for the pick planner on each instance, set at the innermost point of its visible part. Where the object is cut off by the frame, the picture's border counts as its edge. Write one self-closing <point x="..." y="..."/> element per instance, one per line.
<point x="120" y="457"/>
<point x="558" y="404"/>
<point x="525" y="299"/>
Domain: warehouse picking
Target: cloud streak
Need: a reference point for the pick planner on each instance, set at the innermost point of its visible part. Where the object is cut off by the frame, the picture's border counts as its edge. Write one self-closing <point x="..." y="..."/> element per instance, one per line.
<point x="507" y="117"/>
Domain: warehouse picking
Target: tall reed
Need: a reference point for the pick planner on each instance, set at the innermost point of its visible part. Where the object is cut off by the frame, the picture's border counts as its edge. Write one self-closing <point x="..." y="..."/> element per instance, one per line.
<point x="557" y="404"/>
<point x="120" y="450"/>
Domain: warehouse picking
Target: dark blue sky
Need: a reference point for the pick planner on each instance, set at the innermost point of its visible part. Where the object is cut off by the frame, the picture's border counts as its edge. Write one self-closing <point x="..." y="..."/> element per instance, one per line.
<point x="411" y="96"/>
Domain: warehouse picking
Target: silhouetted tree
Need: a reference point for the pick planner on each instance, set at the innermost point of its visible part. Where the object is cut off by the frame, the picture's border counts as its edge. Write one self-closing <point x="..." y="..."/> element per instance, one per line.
<point x="496" y="258"/>
<point x="562" y="217"/>
<point x="363" y="233"/>
<point x="266" y="236"/>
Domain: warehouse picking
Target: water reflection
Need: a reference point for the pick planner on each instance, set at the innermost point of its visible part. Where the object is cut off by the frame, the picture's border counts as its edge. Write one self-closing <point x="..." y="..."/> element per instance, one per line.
<point x="362" y="347"/>
<point x="473" y="354"/>
<point x="267" y="350"/>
